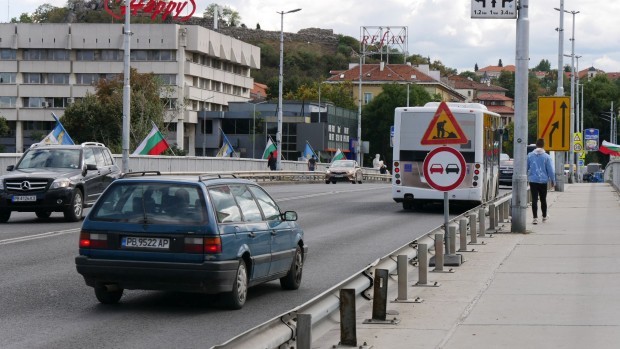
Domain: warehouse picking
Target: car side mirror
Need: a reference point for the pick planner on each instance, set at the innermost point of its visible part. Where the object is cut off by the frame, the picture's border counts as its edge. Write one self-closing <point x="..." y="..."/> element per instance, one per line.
<point x="10" y="167"/>
<point x="89" y="167"/>
<point x="290" y="216"/>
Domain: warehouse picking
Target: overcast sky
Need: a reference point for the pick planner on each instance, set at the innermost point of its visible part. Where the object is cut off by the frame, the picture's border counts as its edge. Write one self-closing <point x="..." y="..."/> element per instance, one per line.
<point x="440" y="29"/>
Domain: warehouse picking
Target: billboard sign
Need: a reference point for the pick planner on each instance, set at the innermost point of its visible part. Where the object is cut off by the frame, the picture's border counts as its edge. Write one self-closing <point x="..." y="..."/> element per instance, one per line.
<point x="590" y="137"/>
<point x="153" y="7"/>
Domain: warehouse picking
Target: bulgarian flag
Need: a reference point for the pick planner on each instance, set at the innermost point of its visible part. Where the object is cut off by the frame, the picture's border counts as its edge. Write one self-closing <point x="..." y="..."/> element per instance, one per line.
<point x="339" y="155"/>
<point x="270" y="147"/>
<point x="609" y="148"/>
<point x="153" y="144"/>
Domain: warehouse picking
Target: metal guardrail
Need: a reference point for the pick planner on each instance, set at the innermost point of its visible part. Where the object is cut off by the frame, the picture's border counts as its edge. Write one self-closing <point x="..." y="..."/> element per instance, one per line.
<point x="284" y="176"/>
<point x="323" y="309"/>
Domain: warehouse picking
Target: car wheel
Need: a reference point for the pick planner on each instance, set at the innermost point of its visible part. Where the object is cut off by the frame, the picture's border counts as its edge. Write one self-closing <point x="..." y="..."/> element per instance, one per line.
<point x="292" y="280"/>
<point x="236" y="299"/>
<point x="43" y="214"/>
<point x="4" y="216"/>
<point x="359" y="180"/>
<point x="105" y="296"/>
<point x="326" y="182"/>
<point x="75" y="210"/>
<point x="333" y="181"/>
<point x="353" y="181"/>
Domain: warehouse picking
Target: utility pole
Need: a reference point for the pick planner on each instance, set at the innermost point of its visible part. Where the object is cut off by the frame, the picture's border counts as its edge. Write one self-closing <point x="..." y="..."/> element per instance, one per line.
<point x="519" y="184"/>
<point x="559" y="156"/>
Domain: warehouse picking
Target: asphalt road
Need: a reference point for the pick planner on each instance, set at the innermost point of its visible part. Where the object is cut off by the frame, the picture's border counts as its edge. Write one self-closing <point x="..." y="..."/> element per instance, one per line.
<point x="44" y="302"/>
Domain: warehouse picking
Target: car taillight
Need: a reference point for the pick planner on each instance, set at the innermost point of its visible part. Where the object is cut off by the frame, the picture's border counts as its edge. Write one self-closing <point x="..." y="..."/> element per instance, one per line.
<point x="213" y="245"/>
<point x="203" y="245"/>
<point x="93" y="240"/>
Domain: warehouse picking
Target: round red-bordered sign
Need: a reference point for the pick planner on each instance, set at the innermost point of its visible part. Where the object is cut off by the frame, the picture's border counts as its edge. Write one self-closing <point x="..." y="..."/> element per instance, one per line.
<point x="444" y="168"/>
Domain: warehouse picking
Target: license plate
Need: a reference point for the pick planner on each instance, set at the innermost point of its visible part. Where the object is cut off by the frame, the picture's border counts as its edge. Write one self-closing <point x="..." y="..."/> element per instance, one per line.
<point x="151" y="243"/>
<point x="25" y="198"/>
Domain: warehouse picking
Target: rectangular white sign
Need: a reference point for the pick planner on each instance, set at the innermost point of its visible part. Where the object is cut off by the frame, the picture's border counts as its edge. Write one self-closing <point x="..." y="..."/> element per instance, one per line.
<point x="494" y="9"/>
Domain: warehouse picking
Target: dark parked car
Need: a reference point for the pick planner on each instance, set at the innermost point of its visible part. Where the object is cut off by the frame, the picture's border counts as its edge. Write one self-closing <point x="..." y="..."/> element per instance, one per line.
<point x="190" y="234"/>
<point x="57" y="178"/>
<point x="344" y="170"/>
<point x="506" y="169"/>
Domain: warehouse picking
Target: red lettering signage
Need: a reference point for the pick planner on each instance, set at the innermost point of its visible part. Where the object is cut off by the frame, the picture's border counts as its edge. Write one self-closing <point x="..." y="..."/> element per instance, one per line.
<point x="154" y="7"/>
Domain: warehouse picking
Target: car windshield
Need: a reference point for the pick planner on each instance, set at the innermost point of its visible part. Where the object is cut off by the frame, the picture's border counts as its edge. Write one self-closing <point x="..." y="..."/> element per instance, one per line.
<point x="341" y="163"/>
<point x="161" y="203"/>
<point x="50" y="158"/>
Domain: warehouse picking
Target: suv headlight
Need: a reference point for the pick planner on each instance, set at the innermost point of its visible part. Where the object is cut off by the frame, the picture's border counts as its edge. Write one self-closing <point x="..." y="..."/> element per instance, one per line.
<point x="60" y="183"/>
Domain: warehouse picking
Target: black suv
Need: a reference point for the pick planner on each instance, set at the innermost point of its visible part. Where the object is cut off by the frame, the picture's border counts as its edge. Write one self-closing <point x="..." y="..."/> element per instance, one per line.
<point x="57" y="178"/>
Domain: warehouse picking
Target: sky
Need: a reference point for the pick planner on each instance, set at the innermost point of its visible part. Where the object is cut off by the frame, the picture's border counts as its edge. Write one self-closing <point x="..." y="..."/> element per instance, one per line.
<point x="440" y="29"/>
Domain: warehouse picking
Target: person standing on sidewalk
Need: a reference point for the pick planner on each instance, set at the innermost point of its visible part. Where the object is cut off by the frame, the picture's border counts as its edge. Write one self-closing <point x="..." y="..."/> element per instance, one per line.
<point x="539" y="174"/>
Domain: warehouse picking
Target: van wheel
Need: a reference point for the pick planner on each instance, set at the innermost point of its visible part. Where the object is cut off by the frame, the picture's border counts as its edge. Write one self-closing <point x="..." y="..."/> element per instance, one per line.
<point x="407" y="204"/>
<point x="74" y="212"/>
<point x="105" y="296"/>
<point x="236" y="299"/>
<point x="292" y="280"/>
<point x="4" y="216"/>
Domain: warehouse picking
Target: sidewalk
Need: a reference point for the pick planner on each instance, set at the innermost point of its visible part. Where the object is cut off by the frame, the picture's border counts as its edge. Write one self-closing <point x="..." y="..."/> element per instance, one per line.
<point x="556" y="287"/>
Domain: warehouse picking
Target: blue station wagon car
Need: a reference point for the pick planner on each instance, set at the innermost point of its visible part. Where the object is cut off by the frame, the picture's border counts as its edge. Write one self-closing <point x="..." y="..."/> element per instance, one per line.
<point x="192" y="234"/>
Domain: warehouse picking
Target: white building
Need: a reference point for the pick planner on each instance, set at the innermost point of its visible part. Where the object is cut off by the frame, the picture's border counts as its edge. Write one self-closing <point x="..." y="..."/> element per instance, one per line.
<point x="45" y="67"/>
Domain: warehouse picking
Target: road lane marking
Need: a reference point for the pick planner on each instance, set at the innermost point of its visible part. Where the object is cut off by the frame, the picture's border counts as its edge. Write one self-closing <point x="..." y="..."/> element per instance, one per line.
<point x="327" y="193"/>
<point x="38" y="236"/>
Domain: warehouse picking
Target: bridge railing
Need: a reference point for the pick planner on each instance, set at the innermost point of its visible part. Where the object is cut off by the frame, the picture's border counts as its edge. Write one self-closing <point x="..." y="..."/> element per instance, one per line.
<point x="323" y="310"/>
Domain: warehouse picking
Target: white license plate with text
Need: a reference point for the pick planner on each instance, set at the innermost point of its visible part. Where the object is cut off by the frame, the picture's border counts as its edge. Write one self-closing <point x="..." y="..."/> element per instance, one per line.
<point x="24" y="198"/>
<point x="143" y="242"/>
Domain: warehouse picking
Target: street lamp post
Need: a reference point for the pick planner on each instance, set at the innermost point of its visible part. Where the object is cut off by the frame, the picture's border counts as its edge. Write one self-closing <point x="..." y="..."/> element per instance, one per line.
<point x="279" y="134"/>
<point x="254" y="127"/>
<point x="571" y="151"/>
<point x="204" y="126"/>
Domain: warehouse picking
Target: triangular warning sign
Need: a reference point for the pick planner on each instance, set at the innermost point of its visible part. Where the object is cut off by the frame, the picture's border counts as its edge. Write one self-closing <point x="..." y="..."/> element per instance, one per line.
<point x="443" y="128"/>
<point x="577" y="137"/>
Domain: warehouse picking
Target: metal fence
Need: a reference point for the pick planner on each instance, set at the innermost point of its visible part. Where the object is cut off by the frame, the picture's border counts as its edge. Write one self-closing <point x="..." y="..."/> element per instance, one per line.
<point x="612" y="173"/>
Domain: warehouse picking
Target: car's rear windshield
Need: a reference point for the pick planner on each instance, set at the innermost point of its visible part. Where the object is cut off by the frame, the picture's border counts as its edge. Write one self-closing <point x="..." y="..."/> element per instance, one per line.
<point x="50" y="158"/>
<point x="151" y="203"/>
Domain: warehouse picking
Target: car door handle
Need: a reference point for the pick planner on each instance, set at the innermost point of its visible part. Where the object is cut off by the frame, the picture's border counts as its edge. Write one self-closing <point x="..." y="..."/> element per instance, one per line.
<point x="252" y="234"/>
<point x="273" y="232"/>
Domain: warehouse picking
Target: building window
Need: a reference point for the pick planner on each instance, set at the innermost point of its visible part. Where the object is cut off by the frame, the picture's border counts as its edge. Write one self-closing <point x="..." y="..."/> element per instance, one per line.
<point x="367" y="97"/>
<point x="7" y="54"/>
<point x="7" y="102"/>
<point x="85" y="55"/>
<point x="58" y="79"/>
<point x="167" y="79"/>
<point x="34" y="102"/>
<point x="7" y="78"/>
<point x="46" y="55"/>
<point x="33" y="78"/>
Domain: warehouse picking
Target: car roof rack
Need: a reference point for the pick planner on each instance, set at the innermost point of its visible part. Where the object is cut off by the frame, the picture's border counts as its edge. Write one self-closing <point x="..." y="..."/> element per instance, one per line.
<point x="96" y="144"/>
<point x="140" y="174"/>
<point x="208" y="176"/>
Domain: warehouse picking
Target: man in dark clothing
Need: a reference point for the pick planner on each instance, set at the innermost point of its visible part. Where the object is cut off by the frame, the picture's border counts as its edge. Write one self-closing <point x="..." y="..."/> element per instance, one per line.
<point x="271" y="161"/>
<point x="311" y="163"/>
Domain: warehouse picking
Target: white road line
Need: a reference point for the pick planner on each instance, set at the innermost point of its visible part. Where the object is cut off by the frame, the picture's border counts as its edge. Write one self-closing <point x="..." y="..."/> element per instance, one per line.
<point x="327" y="193"/>
<point x="38" y="236"/>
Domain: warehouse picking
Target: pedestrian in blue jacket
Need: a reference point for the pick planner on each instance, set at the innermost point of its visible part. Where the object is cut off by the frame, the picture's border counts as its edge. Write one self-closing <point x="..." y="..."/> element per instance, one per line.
<point x="540" y="173"/>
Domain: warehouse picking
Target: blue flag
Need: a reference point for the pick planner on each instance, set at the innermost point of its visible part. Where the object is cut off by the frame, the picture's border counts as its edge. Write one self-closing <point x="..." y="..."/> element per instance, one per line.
<point x="226" y="148"/>
<point x="58" y="135"/>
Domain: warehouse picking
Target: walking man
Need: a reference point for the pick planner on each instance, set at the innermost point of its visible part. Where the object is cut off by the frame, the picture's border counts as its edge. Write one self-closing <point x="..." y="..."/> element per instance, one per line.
<point x="539" y="174"/>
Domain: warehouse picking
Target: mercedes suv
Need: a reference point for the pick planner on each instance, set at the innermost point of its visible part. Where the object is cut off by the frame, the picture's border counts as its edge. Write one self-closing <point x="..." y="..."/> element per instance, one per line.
<point x="57" y="178"/>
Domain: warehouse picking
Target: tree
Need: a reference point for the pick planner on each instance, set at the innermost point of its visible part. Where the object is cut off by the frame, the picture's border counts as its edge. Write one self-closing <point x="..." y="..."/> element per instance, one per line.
<point x="338" y="94"/>
<point x="85" y="119"/>
<point x="544" y="65"/>
<point x="23" y="18"/>
<point x="500" y="64"/>
<point x="506" y="80"/>
<point x="230" y="17"/>
<point x="470" y="75"/>
<point x="378" y="116"/>
<point x="476" y="67"/>
<point x="4" y="130"/>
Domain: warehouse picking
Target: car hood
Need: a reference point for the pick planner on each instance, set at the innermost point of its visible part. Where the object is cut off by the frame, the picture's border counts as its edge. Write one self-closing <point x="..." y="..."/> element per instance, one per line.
<point x="39" y="172"/>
